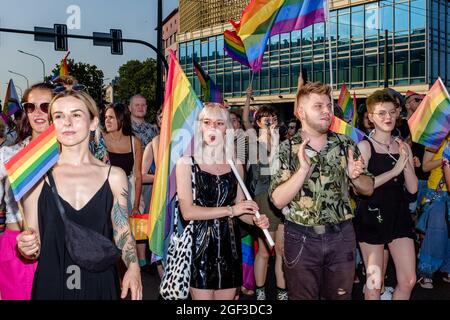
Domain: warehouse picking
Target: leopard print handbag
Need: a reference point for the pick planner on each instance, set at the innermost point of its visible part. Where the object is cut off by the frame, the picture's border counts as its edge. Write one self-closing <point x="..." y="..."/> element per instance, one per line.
<point x="175" y="282"/>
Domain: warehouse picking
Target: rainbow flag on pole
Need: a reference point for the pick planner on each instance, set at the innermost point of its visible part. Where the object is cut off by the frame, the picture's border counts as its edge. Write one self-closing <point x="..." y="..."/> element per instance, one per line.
<point x="234" y="47"/>
<point x="11" y="104"/>
<point x="180" y="112"/>
<point x="32" y="162"/>
<point x="430" y="123"/>
<point x="262" y="19"/>
<point x="211" y="92"/>
<point x="348" y="105"/>
<point x="342" y="127"/>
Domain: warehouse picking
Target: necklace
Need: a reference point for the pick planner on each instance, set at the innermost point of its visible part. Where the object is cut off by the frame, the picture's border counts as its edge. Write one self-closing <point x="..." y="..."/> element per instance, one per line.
<point x="388" y="146"/>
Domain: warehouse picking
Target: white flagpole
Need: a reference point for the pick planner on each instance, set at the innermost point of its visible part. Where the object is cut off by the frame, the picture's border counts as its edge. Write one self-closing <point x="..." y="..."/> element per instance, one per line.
<point x="327" y="22"/>
<point x="247" y="195"/>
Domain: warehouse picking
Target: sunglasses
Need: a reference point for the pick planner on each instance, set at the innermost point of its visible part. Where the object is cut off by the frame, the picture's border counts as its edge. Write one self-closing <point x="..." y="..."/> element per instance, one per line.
<point x="30" y="107"/>
<point x="291" y="127"/>
<point x="76" y="87"/>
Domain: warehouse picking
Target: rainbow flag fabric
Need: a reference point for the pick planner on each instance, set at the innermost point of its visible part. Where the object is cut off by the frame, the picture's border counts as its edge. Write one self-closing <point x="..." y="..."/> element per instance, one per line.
<point x="180" y="112"/>
<point x="12" y="102"/>
<point x="234" y="47"/>
<point x="430" y="123"/>
<point x="211" y="92"/>
<point x="348" y="105"/>
<point x="64" y="67"/>
<point x="342" y="127"/>
<point x="32" y="162"/>
<point x="248" y="262"/>
<point x="262" y="19"/>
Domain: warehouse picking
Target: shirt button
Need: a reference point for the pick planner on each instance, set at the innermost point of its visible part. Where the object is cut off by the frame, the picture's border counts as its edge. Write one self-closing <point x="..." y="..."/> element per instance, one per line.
<point x="395" y="179"/>
<point x="393" y="163"/>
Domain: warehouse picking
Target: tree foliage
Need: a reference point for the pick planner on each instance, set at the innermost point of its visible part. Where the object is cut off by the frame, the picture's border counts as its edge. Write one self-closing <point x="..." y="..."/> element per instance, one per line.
<point x="136" y="77"/>
<point x="88" y="75"/>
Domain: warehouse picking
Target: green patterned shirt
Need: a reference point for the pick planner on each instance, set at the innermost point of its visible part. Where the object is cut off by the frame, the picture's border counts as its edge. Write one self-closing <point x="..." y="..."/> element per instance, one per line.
<point x="324" y="198"/>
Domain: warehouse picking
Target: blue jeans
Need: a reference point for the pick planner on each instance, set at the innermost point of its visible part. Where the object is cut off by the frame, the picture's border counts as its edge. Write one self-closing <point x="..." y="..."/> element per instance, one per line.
<point x="421" y="192"/>
<point x="434" y="253"/>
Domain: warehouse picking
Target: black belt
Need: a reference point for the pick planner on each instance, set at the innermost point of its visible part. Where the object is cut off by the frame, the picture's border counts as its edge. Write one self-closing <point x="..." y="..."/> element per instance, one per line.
<point x="321" y="229"/>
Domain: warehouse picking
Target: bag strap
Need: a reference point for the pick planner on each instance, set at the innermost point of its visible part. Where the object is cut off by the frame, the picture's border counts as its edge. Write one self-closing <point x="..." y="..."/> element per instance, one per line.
<point x="55" y="195"/>
<point x="177" y="207"/>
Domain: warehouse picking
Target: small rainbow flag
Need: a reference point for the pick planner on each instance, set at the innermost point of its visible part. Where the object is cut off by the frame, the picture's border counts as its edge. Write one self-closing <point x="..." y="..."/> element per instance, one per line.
<point x="64" y="67"/>
<point x="211" y="92"/>
<point x="430" y="123"/>
<point x="12" y="102"/>
<point x="179" y="120"/>
<point x="32" y="162"/>
<point x="262" y="19"/>
<point x="342" y="127"/>
<point x="234" y="47"/>
<point x="347" y="105"/>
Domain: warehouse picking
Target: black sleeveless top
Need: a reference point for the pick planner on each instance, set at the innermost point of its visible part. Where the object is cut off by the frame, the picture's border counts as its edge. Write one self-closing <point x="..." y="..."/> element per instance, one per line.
<point x="384" y="216"/>
<point x="123" y="160"/>
<point x="57" y="276"/>
<point x="216" y="252"/>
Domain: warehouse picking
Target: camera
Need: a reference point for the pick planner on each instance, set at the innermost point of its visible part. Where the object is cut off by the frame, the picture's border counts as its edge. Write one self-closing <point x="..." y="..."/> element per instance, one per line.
<point x="268" y="123"/>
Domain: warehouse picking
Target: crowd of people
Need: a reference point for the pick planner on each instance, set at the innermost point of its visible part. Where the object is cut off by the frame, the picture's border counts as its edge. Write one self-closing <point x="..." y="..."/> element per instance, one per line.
<point x="325" y="200"/>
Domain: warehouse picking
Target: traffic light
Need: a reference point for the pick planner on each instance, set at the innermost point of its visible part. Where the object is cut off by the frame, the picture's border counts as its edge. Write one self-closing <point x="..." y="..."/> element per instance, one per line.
<point x="60" y="38"/>
<point x="116" y="45"/>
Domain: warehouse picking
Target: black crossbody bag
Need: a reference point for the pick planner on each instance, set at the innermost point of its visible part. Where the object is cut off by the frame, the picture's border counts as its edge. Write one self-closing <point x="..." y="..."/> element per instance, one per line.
<point x="89" y="249"/>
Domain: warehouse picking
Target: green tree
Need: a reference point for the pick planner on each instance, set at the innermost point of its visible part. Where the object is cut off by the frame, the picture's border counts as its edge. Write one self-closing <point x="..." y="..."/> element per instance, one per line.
<point x="136" y="77"/>
<point x="88" y="75"/>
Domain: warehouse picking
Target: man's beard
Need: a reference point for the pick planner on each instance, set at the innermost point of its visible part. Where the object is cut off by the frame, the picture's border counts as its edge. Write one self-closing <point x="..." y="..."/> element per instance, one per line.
<point x="321" y="127"/>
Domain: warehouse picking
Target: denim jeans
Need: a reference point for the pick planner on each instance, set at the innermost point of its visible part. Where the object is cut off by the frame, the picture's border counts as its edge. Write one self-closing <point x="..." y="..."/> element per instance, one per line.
<point x="319" y="265"/>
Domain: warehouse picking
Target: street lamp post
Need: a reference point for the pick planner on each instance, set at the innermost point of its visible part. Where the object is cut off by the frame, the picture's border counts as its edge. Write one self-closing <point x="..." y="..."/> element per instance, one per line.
<point x="43" y="64"/>
<point x="19" y="74"/>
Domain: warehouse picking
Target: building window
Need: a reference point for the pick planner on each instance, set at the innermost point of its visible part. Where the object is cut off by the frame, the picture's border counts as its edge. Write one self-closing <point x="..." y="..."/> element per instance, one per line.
<point x="401" y="17"/>
<point x="357" y="21"/>
<point x="418" y="16"/>
<point x="386" y="16"/>
<point x="357" y="69"/>
<point x="371" y="68"/>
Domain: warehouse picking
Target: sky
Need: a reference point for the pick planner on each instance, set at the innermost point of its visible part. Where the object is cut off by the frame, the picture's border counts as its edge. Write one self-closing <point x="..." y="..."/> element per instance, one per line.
<point x="136" y="19"/>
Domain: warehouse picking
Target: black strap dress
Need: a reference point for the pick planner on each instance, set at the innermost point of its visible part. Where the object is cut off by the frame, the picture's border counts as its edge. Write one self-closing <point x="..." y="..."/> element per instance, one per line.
<point x="384" y="216"/>
<point x="216" y="252"/>
<point x="57" y="277"/>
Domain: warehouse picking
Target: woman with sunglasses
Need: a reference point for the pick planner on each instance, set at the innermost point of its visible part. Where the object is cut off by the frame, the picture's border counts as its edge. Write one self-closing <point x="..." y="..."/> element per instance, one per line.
<point x="16" y="273"/>
<point x="383" y="219"/>
<point x="93" y="195"/>
<point x="216" y="271"/>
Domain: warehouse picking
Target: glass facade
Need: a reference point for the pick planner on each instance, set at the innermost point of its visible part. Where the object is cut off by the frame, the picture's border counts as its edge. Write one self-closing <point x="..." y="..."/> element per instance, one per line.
<point x="357" y="43"/>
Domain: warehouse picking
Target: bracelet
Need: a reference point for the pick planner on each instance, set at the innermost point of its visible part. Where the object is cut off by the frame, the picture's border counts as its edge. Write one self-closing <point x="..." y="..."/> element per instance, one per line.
<point x="230" y="209"/>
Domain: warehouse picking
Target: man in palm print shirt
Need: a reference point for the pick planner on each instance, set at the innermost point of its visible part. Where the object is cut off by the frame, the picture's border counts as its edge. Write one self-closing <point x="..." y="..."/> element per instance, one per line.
<point x="313" y="180"/>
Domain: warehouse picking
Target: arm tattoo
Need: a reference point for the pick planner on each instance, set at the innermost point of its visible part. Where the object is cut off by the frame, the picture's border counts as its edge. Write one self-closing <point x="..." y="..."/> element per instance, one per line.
<point x="122" y="234"/>
<point x="120" y="215"/>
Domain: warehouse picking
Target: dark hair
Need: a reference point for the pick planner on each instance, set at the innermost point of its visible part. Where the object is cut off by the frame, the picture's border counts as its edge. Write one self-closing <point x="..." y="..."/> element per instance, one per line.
<point x="122" y="117"/>
<point x="24" y="129"/>
<point x="265" y="111"/>
<point x="294" y="120"/>
<point x="380" y="96"/>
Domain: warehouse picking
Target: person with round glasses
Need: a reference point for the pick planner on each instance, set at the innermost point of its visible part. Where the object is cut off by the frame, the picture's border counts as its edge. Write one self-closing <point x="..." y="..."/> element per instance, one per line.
<point x="16" y="273"/>
<point x="383" y="219"/>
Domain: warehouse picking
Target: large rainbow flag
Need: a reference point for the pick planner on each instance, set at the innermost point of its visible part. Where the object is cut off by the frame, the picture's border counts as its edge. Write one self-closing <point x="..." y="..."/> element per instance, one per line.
<point x="430" y="123"/>
<point x="262" y="19"/>
<point x="211" y="92"/>
<point x="342" y="127"/>
<point x="180" y="112"/>
<point x="32" y="162"/>
<point x="11" y="104"/>
<point x="348" y="105"/>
